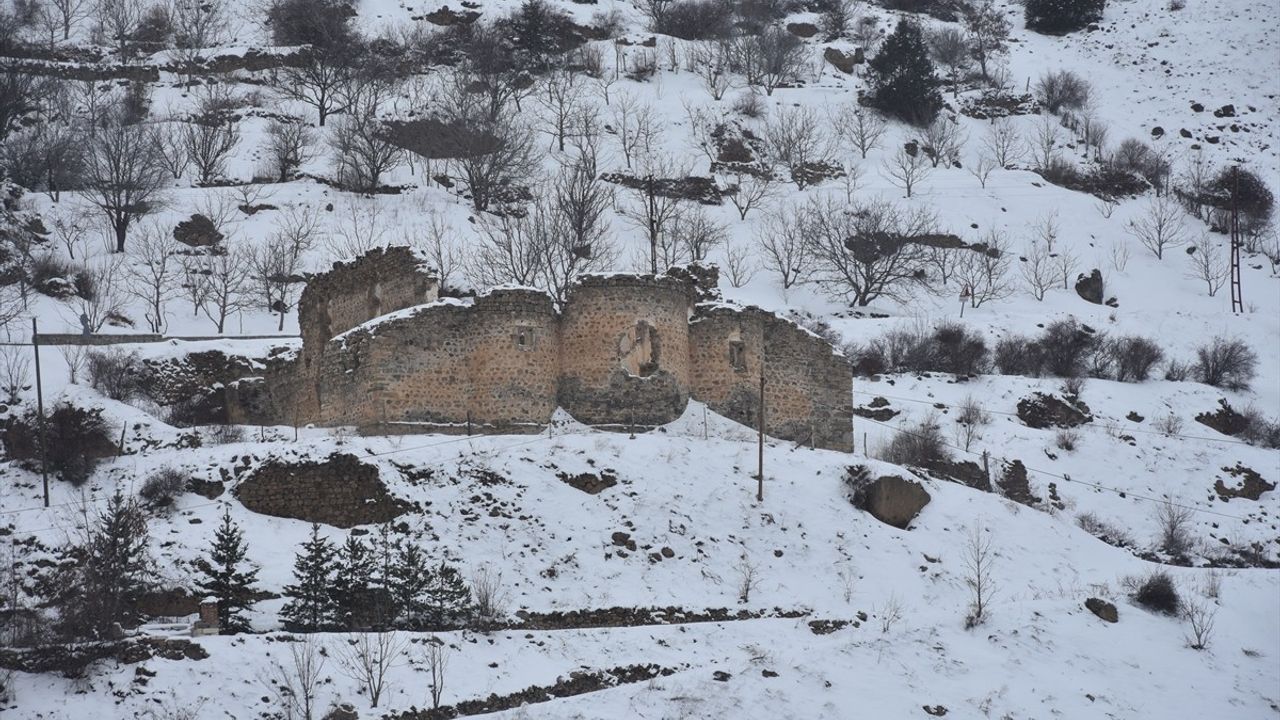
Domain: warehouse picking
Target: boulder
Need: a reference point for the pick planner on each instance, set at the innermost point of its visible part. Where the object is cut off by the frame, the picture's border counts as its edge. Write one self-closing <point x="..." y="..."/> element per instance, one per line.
<point x="892" y="500"/>
<point x="344" y="711"/>
<point x="1102" y="609"/>
<point x="1090" y="287"/>
<point x="840" y="61"/>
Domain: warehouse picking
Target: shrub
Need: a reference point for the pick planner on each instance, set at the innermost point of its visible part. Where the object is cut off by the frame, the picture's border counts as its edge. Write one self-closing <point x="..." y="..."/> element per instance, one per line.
<point x="1157" y="592"/>
<point x="921" y="445"/>
<point x="1224" y="363"/>
<point x="1238" y="186"/>
<point x="1175" y="528"/>
<point x="696" y="20"/>
<point x="958" y="351"/>
<point x="1177" y="371"/>
<point x="1104" y="531"/>
<point x="1064" y="346"/>
<point x="1062" y="90"/>
<point x="224" y="434"/>
<point x="1018" y="355"/>
<point x="1073" y="386"/>
<point x="749" y="104"/>
<point x="1134" y="357"/>
<point x="51" y="275"/>
<point x="1058" y="17"/>
<point x="77" y="440"/>
<point x="115" y="373"/>
<point x="321" y="23"/>
<point x="163" y="487"/>
<point x="1257" y="430"/>
<point x="1067" y="439"/>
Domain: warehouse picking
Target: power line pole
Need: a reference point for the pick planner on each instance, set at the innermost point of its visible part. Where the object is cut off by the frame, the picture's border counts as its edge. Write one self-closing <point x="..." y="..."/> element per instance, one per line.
<point x="44" y="454"/>
<point x="1237" y="296"/>
<point x="760" y="449"/>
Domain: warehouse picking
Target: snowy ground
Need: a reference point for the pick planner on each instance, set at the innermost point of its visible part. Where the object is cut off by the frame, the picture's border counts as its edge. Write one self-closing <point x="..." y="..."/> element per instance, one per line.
<point x="1040" y="655"/>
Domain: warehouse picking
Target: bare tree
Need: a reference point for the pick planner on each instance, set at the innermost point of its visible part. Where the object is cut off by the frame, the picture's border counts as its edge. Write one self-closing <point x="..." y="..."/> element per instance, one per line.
<point x="749" y="189"/>
<point x="907" y="168"/>
<point x="748" y="578"/>
<point x="436" y="657"/>
<point x="276" y="264"/>
<point x="1209" y="265"/>
<point x="860" y="127"/>
<point x="489" y="595"/>
<point x="70" y="12"/>
<point x="950" y="48"/>
<point x="198" y="24"/>
<point x="296" y="682"/>
<point x="942" y="141"/>
<point x="1174" y="523"/>
<point x="227" y="286"/>
<point x="982" y="168"/>
<point x="170" y="141"/>
<point x="1003" y="142"/>
<point x="15" y="373"/>
<point x="1046" y="137"/>
<point x="783" y="239"/>
<point x="512" y="248"/>
<point x="561" y="101"/>
<point x="697" y="234"/>
<point x="125" y="177"/>
<point x="863" y="253"/>
<point x="1200" y="617"/>
<point x="1064" y="262"/>
<point x="117" y="21"/>
<point x="107" y="276"/>
<point x="369" y="657"/>
<point x="969" y="422"/>
<point x="437" y="242"/>
<point x="154" y="273"/>
<point x="739" y="264"/>
<point x="362" y="154"/>
<point x="634" y="127"/>
<point x="360" y="228"/>
<point x="1047" y="229"/>
<point x="797" y="141"/>
<point x="1160" y="227"/>
<point x="1037" y="270"/>
<point x="651" y="206"/>
<point x="492" y="155"/>
<point x="712" y="62"/>
<point x="773" y="57"/>
<point x="890" y="613"/>
<point x="208" y="144"/>
<point x="984" y="272"/>
<point x="979" y="559"/>
<point x="70" y="229"/>
<point x="288" y="146"/>
<point x="322" y="80"/>
<point x="988" y="32"/>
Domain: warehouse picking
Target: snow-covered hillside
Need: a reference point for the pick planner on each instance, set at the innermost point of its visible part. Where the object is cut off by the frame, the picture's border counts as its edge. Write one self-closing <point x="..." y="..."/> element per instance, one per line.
<point x="845" y="616"/>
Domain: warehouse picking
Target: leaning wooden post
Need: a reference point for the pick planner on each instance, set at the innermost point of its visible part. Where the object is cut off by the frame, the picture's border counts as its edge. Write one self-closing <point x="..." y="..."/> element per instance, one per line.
<point x="44" y="464"/>
<point x="760" y="448"/>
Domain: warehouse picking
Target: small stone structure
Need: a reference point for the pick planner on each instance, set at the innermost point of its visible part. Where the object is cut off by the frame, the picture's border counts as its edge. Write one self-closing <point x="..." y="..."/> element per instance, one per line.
<point x="208" y="623"/>
<point x="381" y="351"/>
<point x="339" y="491"/>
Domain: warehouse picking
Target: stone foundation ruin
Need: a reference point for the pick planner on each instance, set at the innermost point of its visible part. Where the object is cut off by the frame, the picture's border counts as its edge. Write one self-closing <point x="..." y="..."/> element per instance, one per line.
<point x="383" y="352"/>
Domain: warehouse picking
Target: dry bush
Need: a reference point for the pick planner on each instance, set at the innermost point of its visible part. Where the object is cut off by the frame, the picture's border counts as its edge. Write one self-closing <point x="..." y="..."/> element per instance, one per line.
<point x="1157" y="592"/>
<point x="1067" y="439"/>
<point x="1174" y="523"/>
<point x="162" y="488"/>
<point x="920" y="445"/>
<point x="1225" y="363"/>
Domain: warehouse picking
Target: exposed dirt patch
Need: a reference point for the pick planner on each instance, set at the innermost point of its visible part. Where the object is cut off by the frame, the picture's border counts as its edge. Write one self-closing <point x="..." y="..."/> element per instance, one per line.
<point x="1225" y="419"/>
<point x="1250" y="487"/>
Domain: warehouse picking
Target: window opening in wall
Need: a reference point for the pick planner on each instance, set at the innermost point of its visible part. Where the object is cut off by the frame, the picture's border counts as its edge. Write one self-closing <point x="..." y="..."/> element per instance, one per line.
<point x="375" y="300"/>
<point x="524" y="338"/>
<point x="738" y="355"/>
<point x="640" y="350"/>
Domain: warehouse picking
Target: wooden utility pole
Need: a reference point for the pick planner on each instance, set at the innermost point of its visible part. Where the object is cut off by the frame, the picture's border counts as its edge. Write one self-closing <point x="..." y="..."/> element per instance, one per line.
<point x="1237" y="296"/>
<point x="760" y="449"/>
<point x="44" y="454"/>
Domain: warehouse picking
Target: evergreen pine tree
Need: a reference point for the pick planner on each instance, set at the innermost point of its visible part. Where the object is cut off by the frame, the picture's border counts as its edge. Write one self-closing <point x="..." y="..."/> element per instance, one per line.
<point x="410" y="582"/>
<point x="383" y="609"/>
<point x="448" y="596"/>
<point x="310" y="607"/>
<point x="902" y="77"/>
<point x="1058" y="17"/>
<point x="227" y="576"/>
<point x="352" y="581"/>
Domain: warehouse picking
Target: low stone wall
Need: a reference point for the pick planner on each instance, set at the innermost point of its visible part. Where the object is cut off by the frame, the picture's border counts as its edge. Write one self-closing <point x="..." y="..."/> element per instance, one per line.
<point x="339" y="491"/>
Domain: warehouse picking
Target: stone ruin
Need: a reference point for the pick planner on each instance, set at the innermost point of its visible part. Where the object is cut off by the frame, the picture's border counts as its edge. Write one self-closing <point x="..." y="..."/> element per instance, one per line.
<point x="382" y="351"/>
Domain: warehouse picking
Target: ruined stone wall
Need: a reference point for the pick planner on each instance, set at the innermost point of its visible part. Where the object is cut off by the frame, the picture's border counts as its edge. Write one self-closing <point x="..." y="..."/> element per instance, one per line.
<point x="339" y="490"/>
<point x="492" y="362"/>
<point x="807" y="386"/>
<point x="381" y="281"/>
<point x="624" y="350"/>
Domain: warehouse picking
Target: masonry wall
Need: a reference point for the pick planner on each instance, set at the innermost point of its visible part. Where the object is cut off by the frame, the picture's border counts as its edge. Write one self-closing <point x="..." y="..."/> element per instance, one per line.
<point x="807" y="386"/>
<point x="624" y="350"/>
<point x="492" y="362"/>
<point x="381" y="281"/>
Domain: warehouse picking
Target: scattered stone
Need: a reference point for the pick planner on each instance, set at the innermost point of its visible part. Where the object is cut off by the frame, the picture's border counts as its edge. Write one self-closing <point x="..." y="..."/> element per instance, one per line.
<point x="768" y="673"/>
<point x="1042" y="411"/>
<point x="826" y="627"/>
<point x="720" y="676"/>
<point x="210" y="489"/>
<point x="345" y="711"/>
<point x="1014" y="484"/>
<point x="1134" y="417"/>
<point x="802" y="29"/>
<point x="589" y="483"/>
<point x="1103" y="609"/>
<point x="1225" y="419"/>
<point x="197" y="231"/>
<point x="1157" y="132"/>
<point x="935" y="710"/>
<point x="1225" y="111"/>
<point x="668" y="552"/>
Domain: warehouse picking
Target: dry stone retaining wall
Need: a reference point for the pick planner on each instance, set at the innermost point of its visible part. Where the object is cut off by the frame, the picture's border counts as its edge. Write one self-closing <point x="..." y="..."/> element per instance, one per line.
<point x="339" y="491"/>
